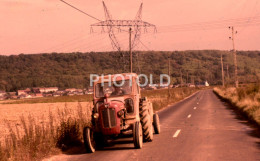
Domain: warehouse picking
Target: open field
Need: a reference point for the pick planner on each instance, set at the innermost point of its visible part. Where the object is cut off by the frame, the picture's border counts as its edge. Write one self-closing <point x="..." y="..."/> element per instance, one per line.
<point x="21" y="119"/>
<point x="34" y="131"/>
<point x="246" y="99"/>
<point x="11" y="113"/>
<point x="81" y="98"/>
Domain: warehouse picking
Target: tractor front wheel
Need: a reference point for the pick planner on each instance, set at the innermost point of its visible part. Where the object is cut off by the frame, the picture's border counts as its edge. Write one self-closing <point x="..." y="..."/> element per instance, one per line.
<point x="89" y="141"/>
<point x="138" y="135"/>
<point x="156" y="124"/>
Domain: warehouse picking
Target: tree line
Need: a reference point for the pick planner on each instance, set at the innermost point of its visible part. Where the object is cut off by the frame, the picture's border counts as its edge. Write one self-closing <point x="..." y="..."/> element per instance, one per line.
<point x="66" y="70"/>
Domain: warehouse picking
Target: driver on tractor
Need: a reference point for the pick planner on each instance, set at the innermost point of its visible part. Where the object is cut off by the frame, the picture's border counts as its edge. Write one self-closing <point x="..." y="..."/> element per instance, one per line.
<point x="117" y="91"/>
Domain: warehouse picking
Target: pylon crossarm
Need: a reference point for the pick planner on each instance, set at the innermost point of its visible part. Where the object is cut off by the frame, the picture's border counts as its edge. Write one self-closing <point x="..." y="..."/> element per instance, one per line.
<point x="123" y="23"/>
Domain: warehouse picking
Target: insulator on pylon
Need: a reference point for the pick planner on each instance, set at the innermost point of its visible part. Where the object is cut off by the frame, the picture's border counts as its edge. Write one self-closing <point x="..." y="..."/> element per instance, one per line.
<point x="145" y="30"/>
<point x="91" y="29"/>
<point x="155" y="30"/>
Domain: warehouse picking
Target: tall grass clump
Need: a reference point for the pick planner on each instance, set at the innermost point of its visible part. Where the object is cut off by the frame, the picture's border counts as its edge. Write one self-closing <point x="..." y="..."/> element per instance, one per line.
<point x="34" y="140"/>
<point x="70" y="129"/>
<point x="246" y="99"/>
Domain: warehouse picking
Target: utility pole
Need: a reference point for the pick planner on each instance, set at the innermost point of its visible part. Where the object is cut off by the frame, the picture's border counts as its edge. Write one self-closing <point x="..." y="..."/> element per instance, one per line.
<point x="234" y="53"/>
<point x="222" y="70"/>
<point x="170" y="78"/>
<point x="227" y="72"/>
<point x="130" y="50"/>
<point x="187" y="78"/>
<point x="192" y="80"/>
<point x="181" y="78"/>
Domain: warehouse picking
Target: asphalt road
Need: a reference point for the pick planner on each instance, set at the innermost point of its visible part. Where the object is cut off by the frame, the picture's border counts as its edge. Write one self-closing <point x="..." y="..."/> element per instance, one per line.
<point x="201" y="127"/>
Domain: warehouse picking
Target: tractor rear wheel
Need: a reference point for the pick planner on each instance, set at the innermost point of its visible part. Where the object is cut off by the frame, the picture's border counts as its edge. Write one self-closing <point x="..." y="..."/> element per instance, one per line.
<point x="147" y="125"/>
<point x="156" y="124"/>
<point x="138" y="135"/>
<point x="89" y="141"/>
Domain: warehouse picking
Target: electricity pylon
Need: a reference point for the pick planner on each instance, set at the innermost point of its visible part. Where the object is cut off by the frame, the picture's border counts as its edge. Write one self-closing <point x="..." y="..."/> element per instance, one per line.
<point x="134" y="27"/>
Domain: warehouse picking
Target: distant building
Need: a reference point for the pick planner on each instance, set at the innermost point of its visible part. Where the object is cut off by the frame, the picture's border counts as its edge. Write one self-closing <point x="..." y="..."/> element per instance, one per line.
<point x="47" y="95"/>
<point x="80" y="90"/>
<point x="36" y="90"/>
<point x="71" y="90"/>
<point x="28" y="96"/>
<point x="191" y="85"/>
<point x="14" y="97"/>
<point x="37" y="95"/>
<point x="206" y="84"/>
<point x="71" y="94"/>
<point x="2" y="93"/>
<point x="21" y="96"/>
<point x="2" y="97"/>
<point x="12" y="93"/>
<point x="90" y="90"/>
<point x="48" y="89"/>
<point x="58" y="93"/>
<point x="22" y="92"/>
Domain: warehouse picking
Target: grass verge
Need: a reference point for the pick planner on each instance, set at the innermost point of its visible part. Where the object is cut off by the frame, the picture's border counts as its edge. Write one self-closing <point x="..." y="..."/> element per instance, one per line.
<point x="245" y="99"/>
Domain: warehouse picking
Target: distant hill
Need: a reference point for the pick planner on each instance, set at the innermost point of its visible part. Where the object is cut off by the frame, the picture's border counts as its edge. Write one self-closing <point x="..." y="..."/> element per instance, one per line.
<point x="65" y="70"/>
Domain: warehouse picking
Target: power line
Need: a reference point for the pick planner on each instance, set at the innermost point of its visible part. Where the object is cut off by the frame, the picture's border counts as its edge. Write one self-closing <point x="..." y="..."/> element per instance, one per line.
<point x="202" y="28"/>
<point x="211" y="24"/>
<point x="80" y="10"/>
<point x="250" y="19"/>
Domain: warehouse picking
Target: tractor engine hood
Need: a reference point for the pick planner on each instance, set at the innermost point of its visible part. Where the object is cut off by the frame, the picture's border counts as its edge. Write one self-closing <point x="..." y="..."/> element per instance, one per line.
<point x="109" y="116"/>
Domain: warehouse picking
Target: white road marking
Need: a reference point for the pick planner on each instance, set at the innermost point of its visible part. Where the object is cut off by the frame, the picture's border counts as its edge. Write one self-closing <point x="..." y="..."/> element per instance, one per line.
<point x="194" y="108"/>
<point x="189" y="116"/>
<point x="176" y="133"/>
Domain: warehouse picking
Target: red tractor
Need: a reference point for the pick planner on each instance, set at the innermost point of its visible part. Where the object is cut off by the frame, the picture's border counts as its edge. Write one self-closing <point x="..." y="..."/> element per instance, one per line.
<point x="118" y="107"/>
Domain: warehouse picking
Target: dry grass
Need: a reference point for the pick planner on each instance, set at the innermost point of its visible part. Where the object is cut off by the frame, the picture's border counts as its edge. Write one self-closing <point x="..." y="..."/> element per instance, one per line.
<point x="246" y="99"/>
<point x="40" y="111"/>
<point x="34" y="140"/>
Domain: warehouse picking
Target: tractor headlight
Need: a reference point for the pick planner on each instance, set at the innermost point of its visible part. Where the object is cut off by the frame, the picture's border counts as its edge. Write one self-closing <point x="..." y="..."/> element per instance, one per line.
<point x="129" y="105"/>
<point x="96" y="115"/>
<point x="120" y="113"/>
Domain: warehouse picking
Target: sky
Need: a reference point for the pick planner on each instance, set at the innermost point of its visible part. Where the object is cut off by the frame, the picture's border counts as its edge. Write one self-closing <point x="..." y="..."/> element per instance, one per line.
<point x="45" y="26"/>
